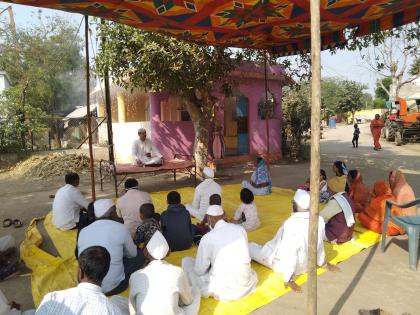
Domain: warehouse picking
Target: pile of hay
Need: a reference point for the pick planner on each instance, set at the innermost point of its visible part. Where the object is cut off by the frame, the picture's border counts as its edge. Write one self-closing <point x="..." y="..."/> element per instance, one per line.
<point x="51" y="165"/>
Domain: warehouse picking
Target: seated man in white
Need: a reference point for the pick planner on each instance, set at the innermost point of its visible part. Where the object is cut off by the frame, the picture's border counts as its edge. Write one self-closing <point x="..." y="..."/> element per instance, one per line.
<point x="160" y="288"/>
<point x="87" y="298"/>
<point x="222" y="268"/>
<point x="287" y="252"/>
<point x="202" y="194"/>
<point x="144" y="152"/>
<point x="115" y="237"/>
<point x="68" y="202"/>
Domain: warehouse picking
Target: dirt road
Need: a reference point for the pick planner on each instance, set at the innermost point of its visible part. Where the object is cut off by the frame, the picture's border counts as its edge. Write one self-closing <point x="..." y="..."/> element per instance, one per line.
<point x="370" y="279"/>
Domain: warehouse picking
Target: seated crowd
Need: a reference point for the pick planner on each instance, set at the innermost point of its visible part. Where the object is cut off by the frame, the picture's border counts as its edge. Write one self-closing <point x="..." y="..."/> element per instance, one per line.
<point x="125" y="245"/>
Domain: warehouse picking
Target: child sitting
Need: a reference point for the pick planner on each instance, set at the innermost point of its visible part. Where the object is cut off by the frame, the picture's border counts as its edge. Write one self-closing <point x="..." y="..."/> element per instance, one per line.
<point x="148" y="226"/>
<point x="247" y="214"/>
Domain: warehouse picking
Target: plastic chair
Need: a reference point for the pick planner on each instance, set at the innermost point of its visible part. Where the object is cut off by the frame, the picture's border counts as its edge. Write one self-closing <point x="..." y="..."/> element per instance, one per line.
<point x="410" y="223"/>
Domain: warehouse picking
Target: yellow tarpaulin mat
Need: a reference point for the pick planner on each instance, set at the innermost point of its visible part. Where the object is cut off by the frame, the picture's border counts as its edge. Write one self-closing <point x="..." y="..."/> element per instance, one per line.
<point x="56" y="273"/>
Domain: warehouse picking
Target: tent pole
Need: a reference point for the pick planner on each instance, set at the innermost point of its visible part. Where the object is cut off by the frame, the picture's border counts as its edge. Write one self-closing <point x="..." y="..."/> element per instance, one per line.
<point x="267" y="122"/>
<point x="315" y="155"/>
<point x="89" y="117"/>
<point x="108" y="110"/>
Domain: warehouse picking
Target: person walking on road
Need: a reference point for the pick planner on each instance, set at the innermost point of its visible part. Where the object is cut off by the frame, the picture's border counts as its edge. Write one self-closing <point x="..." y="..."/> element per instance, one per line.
<point x="356" y="134"/>
<point x="376" y="126"/>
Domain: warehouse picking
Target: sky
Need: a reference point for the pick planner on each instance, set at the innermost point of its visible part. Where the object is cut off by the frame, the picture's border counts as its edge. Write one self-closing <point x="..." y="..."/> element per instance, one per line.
<point x="344" y="64"/>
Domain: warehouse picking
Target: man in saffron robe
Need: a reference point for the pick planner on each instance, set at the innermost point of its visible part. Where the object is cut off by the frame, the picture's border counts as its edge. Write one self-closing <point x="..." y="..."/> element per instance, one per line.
<point x="376" y="126"/>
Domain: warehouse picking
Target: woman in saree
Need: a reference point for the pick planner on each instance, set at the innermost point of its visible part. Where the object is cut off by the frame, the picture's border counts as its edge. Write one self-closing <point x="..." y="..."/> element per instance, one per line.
<point x="402" y="191"/>
<point x="373" y="216"/>
<point x="260" y="183"/>
<point x="358" y="192"/>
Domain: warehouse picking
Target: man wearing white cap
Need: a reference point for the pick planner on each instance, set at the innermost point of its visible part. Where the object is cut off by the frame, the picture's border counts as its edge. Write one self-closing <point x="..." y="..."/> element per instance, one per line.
<point x="222" y="267"/>
<point x="116" y="238"/>
<point x="160" y="288"/>
<point x="144" y="152"/>
<point x="202" y="194"/>
<point x="287" y="252"/>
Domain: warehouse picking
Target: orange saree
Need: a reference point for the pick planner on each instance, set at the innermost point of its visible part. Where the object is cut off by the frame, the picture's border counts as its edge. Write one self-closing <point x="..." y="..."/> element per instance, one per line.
<point x="402" y="191"/>
<point x="359" y="193"/>
<point x="373" y="216"/>
<point x="375" y="128"/>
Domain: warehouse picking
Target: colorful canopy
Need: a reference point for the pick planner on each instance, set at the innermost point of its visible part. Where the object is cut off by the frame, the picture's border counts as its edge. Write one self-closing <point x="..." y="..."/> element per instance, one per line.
<point x="281" y="26"/>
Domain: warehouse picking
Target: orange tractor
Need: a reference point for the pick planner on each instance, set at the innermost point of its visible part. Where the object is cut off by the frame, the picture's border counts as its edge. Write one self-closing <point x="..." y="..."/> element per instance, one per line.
<point x="402" y="121"/>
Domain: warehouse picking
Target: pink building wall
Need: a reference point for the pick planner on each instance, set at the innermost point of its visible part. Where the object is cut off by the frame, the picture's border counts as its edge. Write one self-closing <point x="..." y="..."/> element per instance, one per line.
<point x="178" y="137"/>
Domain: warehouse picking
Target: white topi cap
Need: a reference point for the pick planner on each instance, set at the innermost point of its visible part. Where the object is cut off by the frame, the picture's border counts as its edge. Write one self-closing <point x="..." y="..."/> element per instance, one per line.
<point x="215" y="210"/>
<point x="101" y="207"/>
<point x="157" y="246"/>
<point x="141" y="130"/>
<point x="208" y="172"/>
<point x="302" y="199"/>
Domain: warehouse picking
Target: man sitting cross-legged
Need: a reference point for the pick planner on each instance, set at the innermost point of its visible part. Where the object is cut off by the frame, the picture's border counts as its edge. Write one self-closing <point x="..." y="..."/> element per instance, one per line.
<point x="160" y="288"/>
<point x="87" y="298"/>
<point x="222" y="268"/>
<point x="68" y="202"/>
<point x="287" y="252"/>
<point x="115" y="237"/>
<point x="202" y="194"/>
<point x="176" y="223"/>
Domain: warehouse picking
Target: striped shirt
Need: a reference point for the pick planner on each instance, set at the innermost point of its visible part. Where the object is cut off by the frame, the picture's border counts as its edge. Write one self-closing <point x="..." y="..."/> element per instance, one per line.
<point x="85" y="299"/>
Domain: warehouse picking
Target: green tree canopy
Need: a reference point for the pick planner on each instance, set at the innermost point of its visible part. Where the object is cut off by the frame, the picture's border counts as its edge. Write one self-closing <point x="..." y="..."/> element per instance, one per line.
<point x="136" y="58"/>
<point x="46" y="68"/>
<point x="382" y="86"/>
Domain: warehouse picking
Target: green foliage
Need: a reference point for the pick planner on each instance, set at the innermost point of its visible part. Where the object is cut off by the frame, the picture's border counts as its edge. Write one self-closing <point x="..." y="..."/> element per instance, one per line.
<point x="46" y="68"/>
<point x="379" y="91"/>
<point x="343" y="96"/>
<point x="378" y="103"/>
<point x="297" y="116"/>
<point x="350" y="97"/>
<point x="157" y="62"/>
<point x="415" y="68"/>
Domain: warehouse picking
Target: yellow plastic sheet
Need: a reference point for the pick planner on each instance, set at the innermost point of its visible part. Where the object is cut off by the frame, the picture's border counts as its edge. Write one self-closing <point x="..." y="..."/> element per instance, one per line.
<point x="56" y="273"/>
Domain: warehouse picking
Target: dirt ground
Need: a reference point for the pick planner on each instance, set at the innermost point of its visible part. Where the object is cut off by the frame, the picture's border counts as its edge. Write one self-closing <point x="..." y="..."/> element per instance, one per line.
<point x="368" y="280"/>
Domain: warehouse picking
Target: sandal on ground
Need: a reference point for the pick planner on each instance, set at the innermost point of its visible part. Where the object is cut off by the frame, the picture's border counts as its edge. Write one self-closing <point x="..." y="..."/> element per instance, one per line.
<point x="7" y="223"/>
<point x="17" y="223"/>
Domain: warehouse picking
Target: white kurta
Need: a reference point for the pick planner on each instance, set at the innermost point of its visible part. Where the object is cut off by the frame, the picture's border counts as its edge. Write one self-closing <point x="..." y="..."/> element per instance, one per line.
<point x="287" y="252"/>
<point x="85" y="299"/>
<point x="222" y="268"/>
<point x="162" y="288"/>
<point x="67" y="203"/>
<point x="141" y="148"/>
<point x="202" y="195"/>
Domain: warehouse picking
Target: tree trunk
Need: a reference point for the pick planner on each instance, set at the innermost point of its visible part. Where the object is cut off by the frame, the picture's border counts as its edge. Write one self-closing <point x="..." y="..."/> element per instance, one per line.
<point x="200" y="116"/>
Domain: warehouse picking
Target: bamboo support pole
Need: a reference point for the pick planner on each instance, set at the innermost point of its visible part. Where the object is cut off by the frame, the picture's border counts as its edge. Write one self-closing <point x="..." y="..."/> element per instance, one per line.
<point x="89" y="127"/>
<point x="267" y="121"/>
<point x="315" y="155"/>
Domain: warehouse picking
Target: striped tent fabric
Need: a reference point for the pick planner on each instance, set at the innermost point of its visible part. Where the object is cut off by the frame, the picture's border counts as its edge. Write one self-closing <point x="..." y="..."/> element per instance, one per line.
<point x="279" y="26"/>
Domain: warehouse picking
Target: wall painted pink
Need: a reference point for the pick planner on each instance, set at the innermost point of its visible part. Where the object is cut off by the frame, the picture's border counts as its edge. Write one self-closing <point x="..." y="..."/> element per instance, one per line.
<point x="178" y="137"/>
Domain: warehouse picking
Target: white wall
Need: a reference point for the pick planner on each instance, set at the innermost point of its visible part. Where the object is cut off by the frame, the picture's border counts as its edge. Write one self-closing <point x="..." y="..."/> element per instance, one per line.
<point x="124" y="135"/>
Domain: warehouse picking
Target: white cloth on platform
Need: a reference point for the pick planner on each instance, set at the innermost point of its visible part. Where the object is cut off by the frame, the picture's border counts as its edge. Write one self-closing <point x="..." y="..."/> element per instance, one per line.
<point x="201" y="199"/>
<point x="67" y="203"/>
<point x="128" y="208"/>
<point x="287" y="252"/>
<point x="85" y="299"/>
<point x="116" y="238"/>
<point x="222" y="267"/>
<point x="162" y="288"/>
<point x="140" y="149"/>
